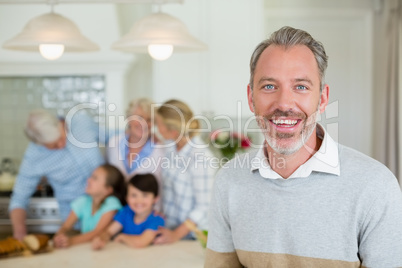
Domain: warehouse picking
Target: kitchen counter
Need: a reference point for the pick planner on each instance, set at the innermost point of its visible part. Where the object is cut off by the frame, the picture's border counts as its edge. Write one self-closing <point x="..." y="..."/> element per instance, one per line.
<point x="185" y="254"/>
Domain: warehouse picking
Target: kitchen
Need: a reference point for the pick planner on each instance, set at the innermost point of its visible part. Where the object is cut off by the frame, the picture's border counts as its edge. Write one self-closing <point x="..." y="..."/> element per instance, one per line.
<point x="352" y="31"/>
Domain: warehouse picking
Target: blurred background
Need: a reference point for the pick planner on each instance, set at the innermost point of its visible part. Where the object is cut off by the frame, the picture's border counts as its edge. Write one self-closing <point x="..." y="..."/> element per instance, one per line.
<point x="361" y="38"/>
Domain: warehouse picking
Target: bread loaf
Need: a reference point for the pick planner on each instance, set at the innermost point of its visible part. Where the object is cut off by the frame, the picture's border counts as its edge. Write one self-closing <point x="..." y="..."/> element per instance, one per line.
<point x="10" y="246"/>
<point x="36" y="242"/>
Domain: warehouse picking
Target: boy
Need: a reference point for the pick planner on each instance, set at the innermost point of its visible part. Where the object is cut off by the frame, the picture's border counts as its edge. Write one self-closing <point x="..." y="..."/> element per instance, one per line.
<point x="137" y="223"/>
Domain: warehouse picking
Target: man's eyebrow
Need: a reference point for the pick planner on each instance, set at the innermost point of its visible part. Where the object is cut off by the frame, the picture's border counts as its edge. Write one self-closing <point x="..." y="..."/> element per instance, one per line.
<point x="303" y="80"/>
<point x="266" y="79"/>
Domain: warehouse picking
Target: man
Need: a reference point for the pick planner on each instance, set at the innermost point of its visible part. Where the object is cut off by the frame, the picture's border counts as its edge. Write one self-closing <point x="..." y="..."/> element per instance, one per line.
<point x="302" y="200"/>
<point x="56" y="152"/>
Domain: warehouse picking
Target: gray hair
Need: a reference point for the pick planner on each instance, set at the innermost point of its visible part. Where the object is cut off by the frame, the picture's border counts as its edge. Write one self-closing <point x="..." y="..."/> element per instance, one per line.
<point x="289" y="37"/>
<point x="144" y="103"/>
<point x="42" y="127"/>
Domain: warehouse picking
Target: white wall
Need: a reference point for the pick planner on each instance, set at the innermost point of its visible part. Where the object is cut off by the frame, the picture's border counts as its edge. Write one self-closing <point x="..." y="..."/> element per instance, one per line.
<point x="213" y="82"/>
<point x="139" y="74"/>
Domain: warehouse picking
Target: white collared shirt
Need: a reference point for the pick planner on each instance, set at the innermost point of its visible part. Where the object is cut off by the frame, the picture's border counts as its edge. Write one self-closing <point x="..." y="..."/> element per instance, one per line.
<point x="325" y="160"/>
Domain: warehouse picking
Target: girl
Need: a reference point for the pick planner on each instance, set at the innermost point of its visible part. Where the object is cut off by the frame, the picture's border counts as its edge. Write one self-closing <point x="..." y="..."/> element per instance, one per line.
<point x="136" y="221"/>
<point x="96" y="209"/>
<point x="188" y="176"/>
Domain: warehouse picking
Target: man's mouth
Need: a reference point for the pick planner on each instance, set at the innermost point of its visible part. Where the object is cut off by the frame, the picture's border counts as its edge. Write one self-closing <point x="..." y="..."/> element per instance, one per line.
<point x="285" y="122"/>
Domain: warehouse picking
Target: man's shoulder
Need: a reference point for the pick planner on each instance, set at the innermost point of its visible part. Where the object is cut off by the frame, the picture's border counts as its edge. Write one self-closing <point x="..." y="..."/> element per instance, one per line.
<point x="79" y="120"/>
<point x="357" y="165"/>
<point x="36" y="152"/>
<point x="238" y="168"/>
<point x="357" y="158"/>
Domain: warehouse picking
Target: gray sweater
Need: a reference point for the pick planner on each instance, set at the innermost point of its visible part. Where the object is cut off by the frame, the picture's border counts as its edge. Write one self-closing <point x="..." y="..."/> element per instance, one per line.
<point x="322" y="220"/>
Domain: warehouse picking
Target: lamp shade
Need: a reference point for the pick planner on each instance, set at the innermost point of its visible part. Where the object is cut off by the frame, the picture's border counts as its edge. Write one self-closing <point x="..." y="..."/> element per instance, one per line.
<point x="50" y="29"/>
<point x="159" y="29"/>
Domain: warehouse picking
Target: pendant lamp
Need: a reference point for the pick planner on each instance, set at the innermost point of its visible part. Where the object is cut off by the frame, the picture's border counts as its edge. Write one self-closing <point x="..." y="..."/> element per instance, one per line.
<point x="159" y="34"/>
<point x="51" y="34"/>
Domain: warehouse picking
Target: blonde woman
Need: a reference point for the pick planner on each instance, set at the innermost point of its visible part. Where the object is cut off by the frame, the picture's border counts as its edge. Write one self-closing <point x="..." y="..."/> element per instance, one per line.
<point x="187" y="175"/>
<point x="135" y="151"/>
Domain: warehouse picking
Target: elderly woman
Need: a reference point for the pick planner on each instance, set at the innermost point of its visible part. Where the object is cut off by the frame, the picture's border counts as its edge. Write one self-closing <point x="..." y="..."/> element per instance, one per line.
<point x="188" y="175"/>
<point x="54" y="153"/>
<point x="135" y="151"/>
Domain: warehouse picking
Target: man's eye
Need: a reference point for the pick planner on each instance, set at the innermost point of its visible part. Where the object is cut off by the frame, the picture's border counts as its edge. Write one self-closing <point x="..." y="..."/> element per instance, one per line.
<point x="269" y="87"/>
<point x="300" y="87"/>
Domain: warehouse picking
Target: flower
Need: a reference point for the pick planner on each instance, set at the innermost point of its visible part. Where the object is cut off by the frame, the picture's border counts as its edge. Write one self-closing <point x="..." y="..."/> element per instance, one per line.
<point x="228" y="143"/>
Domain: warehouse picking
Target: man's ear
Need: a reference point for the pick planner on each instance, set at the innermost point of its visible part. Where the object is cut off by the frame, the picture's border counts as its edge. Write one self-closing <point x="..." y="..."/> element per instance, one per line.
<point x="250" y="98"/>
<point x="324" y="98"/>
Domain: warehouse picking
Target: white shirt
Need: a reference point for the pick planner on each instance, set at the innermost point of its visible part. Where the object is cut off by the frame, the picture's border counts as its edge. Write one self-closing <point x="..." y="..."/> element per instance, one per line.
<point x="326" y="160"/>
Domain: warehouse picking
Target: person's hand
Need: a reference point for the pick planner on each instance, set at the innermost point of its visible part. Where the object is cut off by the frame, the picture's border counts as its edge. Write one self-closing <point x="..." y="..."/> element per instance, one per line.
<point x="120" y="238"/>
<point x="165" y="236"/>
<point x="19" y="232"/>
<point x="158" y="213"/>
<point x="61" y="241"/>
<point x="98" y="243"/>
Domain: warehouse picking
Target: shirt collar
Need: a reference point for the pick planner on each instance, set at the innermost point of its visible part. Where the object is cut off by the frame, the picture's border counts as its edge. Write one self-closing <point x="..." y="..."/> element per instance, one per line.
<point x="325" y="160"/>
<point x="124" y="149"/>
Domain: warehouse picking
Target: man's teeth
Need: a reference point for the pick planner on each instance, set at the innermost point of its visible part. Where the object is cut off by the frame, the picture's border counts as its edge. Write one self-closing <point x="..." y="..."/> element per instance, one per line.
<point x="285" y="123"/>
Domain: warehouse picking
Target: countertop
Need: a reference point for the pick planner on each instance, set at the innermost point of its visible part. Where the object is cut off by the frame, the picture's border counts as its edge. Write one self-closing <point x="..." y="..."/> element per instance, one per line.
<point x="185" y="254"/>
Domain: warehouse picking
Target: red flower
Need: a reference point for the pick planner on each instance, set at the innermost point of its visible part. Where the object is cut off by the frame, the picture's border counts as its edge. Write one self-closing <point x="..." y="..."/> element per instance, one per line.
<point x="245" y="143"/>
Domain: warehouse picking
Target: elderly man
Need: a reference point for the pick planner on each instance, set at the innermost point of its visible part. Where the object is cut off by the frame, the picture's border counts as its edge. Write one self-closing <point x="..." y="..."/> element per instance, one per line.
<point x="56" y="151"/>
<point x="303" y="200"/>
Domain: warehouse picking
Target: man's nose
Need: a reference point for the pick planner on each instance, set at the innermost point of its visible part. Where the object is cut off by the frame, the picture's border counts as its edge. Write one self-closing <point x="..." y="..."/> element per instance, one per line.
<point x="285" y="99"/>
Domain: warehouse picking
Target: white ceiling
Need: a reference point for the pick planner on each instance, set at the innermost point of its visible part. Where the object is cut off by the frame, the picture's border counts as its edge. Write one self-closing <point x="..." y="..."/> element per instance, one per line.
<point x="89" y="1"/>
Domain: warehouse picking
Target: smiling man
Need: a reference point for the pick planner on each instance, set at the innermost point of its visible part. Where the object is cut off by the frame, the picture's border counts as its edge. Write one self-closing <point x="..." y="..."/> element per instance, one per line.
<point x="303" y="200"/>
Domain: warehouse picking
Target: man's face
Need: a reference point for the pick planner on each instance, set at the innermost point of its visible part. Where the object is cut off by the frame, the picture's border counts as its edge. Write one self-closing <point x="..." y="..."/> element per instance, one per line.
<point x="139" y="124"/>
<point x="286" y="97"/>
<point x="60" y="143"/>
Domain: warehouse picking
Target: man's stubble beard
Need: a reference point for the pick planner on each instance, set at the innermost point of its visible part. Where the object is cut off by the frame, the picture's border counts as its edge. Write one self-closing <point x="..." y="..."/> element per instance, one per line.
<point x="274" y="139"/>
